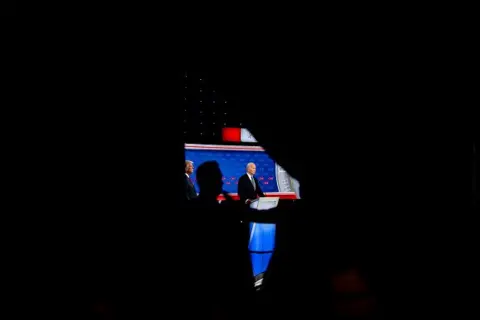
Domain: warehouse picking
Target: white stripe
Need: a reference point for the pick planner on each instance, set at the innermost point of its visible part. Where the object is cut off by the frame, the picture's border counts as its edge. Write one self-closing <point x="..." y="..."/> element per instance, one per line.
<point x="251" y="234"/>
<point x="191" y="146"/>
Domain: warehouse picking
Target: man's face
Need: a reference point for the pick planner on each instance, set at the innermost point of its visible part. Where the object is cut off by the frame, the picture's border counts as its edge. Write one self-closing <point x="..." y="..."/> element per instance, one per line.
<point x="189" y="168"/>
<point x="252" y="169"/>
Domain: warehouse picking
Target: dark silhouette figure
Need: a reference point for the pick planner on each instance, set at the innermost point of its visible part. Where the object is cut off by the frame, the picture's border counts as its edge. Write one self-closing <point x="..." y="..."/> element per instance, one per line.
<point x="220" y="261"/>
<point x="209" y="177"/>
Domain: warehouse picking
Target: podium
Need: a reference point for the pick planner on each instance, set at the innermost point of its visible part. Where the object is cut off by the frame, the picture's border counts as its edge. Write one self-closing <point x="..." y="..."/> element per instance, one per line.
<point x="264" y="203"/>
<point x="262" y="240"/>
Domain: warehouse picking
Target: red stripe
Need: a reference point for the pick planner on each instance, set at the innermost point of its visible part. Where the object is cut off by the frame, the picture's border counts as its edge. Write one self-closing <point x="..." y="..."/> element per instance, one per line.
<point x="231" y="134"/>
<point x="281" y="195"/>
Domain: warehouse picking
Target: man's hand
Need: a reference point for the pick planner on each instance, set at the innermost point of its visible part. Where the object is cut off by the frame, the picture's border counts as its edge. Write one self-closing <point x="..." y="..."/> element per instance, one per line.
<point x="248" y="201"/>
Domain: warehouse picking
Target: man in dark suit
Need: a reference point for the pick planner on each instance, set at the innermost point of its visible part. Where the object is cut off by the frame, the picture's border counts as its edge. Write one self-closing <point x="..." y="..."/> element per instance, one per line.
<point x="248" y="186"/>
<point x="190" y="192"/>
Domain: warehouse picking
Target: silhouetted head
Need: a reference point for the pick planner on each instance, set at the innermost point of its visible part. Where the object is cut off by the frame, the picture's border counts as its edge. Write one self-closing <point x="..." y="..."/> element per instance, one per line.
<point x="209" y="179"/>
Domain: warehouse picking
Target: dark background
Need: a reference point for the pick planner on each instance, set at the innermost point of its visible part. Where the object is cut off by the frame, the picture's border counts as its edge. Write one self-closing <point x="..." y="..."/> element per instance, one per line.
<point x="206" y="111"/>
<point x="97" y="171"/>
<point x="8" y="8"/>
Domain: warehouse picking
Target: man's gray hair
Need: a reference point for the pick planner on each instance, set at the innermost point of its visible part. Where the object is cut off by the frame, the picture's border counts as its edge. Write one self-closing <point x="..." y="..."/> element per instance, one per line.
<point x="250" y="163"/>
<point x="188" y="162"/>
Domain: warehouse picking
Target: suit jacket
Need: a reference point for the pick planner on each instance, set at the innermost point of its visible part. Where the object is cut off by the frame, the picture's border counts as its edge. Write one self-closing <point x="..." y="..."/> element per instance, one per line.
<point x="190" y="192"/>
<point x="245" y="189"/>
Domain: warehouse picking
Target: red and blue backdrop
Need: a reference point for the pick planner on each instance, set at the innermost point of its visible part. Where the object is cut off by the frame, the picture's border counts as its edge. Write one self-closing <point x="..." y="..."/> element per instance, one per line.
<point x="233" y="160"/>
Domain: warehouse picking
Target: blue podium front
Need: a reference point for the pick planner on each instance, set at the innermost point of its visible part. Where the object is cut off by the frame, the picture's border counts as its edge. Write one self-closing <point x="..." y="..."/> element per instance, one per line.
<point x="261" y="245"/>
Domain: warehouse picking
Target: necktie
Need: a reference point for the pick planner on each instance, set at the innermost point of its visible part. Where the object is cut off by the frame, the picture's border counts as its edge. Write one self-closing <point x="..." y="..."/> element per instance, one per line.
<point x="253" y="183"/>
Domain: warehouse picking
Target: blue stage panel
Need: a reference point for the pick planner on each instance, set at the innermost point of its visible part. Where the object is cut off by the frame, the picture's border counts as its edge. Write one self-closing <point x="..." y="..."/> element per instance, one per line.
<point x="233" y="165"/>
<point x="260" y="262"/>
<point x="262" y="237"/>
<point x="261" y="245"/>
